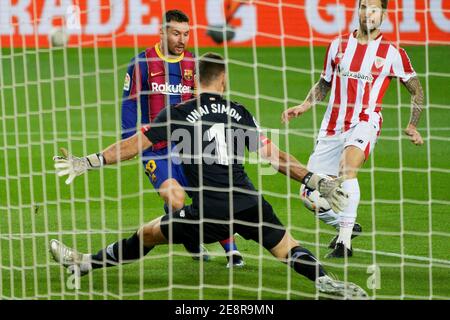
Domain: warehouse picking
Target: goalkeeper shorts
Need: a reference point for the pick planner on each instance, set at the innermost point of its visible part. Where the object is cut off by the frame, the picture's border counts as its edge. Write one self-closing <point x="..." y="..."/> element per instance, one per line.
<point x="184" y="226"/>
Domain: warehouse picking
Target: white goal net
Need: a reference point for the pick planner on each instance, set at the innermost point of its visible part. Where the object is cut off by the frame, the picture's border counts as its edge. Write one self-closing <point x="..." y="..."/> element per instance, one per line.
<point x="62" y="65"/>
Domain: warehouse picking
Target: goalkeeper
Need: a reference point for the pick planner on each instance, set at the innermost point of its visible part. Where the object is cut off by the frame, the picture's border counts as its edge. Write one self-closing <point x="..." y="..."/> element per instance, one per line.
<point x="225" y="196"/>
<point x="159" y="76"/>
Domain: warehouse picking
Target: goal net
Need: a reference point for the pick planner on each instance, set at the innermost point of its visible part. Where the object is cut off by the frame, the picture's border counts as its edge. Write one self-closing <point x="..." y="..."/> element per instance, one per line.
<point x="62" y="65"/>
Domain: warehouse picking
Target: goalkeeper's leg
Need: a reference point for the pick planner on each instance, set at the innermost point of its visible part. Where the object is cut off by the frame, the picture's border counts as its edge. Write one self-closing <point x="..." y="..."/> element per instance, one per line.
<point x="305" y="263"/>
<point x="131" y="249"/>
<point x="124" y="251"/>
<point x="276" y="239"/>
<point x="173" y="194"/>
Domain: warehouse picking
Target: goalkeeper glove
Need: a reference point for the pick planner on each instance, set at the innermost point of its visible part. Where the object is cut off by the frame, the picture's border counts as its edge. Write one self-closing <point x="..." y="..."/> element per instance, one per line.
<point x="74" y="166"/>
<point x="329" y="188"/>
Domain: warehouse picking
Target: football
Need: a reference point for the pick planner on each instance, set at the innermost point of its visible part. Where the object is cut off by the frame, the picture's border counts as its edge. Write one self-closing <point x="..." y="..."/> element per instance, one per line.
<point x="313" y="200"/>
<point x="220" y="33"/>
<point x="58" y="37"/>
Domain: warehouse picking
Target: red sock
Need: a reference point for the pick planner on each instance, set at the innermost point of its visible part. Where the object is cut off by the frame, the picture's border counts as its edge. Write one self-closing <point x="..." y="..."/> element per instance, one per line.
<point x="228" y="244"/>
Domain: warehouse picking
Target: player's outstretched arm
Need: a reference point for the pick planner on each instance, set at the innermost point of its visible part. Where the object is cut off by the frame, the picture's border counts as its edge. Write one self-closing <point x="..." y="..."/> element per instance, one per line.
<point x="417" y="101"/>
<point x="283" y="162"/>
<point x="317" y="93"/>
<point x="122" y="150"/>
<point x="288" y="165"/>
<point x="126" y="149"/>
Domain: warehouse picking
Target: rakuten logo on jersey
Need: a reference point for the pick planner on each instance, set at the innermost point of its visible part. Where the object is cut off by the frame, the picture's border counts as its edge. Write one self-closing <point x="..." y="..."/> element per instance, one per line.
<point x="167" y="88"/>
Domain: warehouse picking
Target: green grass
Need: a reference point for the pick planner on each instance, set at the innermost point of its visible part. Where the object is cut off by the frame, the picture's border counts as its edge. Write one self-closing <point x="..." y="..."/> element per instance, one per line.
<point x="71" y="98"/>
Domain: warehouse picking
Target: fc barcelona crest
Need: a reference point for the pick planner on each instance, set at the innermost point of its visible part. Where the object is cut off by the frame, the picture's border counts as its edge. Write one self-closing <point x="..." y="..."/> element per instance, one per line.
<point x="188" y="73"/>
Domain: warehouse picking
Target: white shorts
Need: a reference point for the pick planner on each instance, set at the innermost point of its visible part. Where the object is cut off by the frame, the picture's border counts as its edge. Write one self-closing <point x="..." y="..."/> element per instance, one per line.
<point x="328" y="150"/>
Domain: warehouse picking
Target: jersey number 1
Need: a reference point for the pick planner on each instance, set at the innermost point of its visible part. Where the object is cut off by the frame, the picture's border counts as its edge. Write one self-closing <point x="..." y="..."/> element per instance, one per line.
<point x="217" y="132"/>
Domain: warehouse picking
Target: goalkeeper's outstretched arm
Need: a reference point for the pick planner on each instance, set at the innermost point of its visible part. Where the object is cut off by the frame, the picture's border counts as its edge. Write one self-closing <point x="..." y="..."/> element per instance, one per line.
<point x="126" y="149"/>
<point x="291" y="167"/>
<point x="283" y="162"/>
<point x="69" y="165"/>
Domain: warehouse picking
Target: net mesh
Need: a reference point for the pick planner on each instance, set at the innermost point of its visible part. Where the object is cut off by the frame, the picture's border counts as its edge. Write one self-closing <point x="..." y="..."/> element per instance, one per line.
<point x="69" y="96"/>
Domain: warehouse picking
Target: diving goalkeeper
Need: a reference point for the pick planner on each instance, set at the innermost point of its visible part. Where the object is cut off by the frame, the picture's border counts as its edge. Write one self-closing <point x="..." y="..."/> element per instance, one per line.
<point x="225" y="200"/>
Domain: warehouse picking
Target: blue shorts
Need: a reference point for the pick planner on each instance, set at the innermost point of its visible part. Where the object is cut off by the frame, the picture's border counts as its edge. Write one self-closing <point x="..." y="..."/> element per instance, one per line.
<point x="156" y="165"/>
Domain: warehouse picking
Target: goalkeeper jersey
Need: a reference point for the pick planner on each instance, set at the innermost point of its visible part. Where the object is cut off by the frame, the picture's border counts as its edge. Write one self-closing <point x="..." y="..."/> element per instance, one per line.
<point x="211" y="135"/>
<point x="360" y="75"/>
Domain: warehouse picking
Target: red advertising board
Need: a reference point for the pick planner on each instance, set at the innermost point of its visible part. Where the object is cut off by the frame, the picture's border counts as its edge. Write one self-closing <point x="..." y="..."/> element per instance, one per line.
<point x="258" y="22"/>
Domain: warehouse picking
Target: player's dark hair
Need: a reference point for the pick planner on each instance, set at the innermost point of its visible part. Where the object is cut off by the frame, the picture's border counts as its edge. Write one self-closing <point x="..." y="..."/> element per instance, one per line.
<point x="175" y="15"/>
<point x="384" y="4"/>
<point x="210" y="66"/>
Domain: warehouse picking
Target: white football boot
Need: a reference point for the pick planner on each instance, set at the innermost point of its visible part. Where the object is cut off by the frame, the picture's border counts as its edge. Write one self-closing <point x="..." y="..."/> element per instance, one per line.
<point x="346" y="290"/>
<point x="77" y="263"/>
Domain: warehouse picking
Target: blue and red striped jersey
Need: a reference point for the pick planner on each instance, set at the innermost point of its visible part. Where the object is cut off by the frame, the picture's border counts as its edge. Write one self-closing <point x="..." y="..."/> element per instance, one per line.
<point x="157" y="82"/>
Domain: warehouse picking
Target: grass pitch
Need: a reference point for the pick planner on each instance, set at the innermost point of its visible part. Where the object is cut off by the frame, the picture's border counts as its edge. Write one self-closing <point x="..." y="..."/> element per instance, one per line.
<point x="72" y="97"/>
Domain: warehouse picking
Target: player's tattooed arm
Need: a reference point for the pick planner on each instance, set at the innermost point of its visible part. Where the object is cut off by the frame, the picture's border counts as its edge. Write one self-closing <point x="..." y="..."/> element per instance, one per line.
<point x="417" y="103"/>
<point x="318" y="92"/>
<point x="417" y="99"/>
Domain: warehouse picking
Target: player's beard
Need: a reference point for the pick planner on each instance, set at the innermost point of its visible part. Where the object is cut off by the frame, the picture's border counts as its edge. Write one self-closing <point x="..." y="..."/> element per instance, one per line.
<point x="368" y="27"/>
<point x="173" y="53"/>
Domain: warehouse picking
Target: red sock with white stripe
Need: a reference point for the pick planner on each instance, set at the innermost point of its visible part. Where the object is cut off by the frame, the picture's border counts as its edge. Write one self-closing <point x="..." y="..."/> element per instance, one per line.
<point x="348" y="216"/>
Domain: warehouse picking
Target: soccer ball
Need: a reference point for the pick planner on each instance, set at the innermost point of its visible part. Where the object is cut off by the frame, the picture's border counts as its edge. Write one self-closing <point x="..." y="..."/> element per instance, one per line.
<point x="313" y="200"/>
<point x="216" y="32"/>
<point x="58" y="37"/>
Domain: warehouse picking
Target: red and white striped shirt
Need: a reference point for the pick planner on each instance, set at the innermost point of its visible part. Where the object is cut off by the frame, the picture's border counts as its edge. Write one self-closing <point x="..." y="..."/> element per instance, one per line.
<point x="360" y="75"/>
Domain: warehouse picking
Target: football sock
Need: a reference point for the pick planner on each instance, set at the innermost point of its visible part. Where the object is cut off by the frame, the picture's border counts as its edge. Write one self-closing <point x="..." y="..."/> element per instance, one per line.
<point x="348" y="216"/>
<point x="229" y="245"/>
<point x="329" y="217"/>
<point x="124" y="251"/>
<point x="303" y="262"/>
